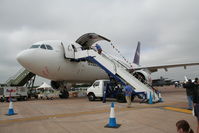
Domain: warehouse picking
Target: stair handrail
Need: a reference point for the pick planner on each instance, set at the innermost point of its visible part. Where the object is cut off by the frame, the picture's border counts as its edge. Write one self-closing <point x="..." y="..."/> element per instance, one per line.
<point x="145" y="83"/>
<point x="113" y="60"/>
<point x="16" y="75"/>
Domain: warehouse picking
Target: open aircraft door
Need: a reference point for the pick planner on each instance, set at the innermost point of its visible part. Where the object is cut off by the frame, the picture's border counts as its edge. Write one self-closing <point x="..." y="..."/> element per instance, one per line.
<point x="89" y="39"/>
<point x="69" y="51"/>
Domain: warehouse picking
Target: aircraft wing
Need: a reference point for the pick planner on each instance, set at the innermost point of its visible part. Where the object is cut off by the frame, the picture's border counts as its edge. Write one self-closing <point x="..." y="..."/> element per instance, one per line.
<point x="89" y="39"/>
<point x="165" y="67"/>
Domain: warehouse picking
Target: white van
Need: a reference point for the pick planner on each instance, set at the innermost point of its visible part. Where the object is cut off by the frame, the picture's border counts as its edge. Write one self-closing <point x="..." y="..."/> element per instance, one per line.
<point x="97" y="88"/>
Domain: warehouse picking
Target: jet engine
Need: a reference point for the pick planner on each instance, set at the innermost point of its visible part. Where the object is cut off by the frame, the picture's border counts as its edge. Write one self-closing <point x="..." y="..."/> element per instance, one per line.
<point x="143" y="76"/>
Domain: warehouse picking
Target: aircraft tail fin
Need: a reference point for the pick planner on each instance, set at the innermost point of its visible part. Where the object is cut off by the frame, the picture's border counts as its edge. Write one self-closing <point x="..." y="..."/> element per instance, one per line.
<point x="137" y="55"/>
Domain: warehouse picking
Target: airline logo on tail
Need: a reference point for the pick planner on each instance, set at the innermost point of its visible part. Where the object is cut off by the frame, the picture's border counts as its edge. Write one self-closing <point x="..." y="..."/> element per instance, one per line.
<point x="137" y="55"/>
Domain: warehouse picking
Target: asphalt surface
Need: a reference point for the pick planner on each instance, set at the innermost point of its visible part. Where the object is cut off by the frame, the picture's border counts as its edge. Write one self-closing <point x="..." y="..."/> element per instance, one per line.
<point x="80" y="115"/>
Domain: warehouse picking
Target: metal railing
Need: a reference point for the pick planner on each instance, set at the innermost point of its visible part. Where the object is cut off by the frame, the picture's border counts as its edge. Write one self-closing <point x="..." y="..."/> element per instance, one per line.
<point x="16" y="75"/>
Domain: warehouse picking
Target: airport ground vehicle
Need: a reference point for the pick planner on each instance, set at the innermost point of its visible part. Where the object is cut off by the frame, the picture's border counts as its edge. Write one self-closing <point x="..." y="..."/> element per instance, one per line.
<point x="18" y="93"/>
<point x="105" y="89"/>
<point x="48" y="94"/>
<point x="33" y="93"/>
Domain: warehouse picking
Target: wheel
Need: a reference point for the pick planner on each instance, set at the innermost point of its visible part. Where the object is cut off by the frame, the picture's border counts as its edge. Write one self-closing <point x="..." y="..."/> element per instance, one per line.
<point x="25" y="98"/>
<point x="91" y="97"/>
<point x="19" y="99"/>
<point x="120" y="98"/>
<point x="64" y="94"/>
<point x="2" y="99"/>
<point x="7" y="99"/>
<point x="36" y="96"/>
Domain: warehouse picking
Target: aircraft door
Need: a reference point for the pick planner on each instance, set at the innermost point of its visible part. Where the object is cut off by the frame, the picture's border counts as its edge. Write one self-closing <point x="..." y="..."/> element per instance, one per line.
<point x="69" y="51"/>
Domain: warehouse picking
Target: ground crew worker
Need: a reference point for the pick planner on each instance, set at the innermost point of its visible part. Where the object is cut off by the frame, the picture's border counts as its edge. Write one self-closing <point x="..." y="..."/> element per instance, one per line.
<point x="196" y="101"/>
<point x="189" y="90"/>
<point x="99" y="49"/>
<point x="128" y="92"/>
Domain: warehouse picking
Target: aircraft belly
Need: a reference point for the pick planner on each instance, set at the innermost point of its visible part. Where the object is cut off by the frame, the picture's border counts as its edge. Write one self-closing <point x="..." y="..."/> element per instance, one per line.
<point x="80" y="71"/>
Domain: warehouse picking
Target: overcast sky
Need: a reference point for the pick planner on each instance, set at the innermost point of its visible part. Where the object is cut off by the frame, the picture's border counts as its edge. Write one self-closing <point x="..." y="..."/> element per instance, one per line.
<point x="168" y="29"/>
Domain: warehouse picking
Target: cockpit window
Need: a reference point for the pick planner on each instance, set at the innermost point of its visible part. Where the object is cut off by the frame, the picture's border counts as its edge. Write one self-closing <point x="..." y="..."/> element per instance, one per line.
<point x="49" y="47"/>
<point x="35" y="46"/>
<point x="43" y="46"/>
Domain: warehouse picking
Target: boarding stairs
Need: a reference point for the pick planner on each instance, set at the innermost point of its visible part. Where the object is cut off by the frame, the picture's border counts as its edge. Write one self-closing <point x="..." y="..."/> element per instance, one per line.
<point x="20" y="78"/>
<point x="117" y="70"/>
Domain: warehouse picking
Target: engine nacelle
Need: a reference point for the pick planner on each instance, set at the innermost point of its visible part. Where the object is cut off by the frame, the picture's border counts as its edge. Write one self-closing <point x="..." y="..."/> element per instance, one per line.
<point x="143" y="76"/>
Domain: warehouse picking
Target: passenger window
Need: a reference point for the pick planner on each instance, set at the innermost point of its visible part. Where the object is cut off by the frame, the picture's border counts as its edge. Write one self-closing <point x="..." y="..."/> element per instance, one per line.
<point x="43" y="46"/>
<point x="35" y="46"/>
<point x="49" y="47"/>
<point x="96" y="84"/>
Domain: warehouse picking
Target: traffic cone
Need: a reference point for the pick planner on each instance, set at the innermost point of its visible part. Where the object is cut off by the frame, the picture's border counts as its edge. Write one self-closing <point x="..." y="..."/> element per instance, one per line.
<point x="112" y="120"/>
<point x="150" y="99"/>
<point x="11" y="110"/>
<point x="160" y="97"/>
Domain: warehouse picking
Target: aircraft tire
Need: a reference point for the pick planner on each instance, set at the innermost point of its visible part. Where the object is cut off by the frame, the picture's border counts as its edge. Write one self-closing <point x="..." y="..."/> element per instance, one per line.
<point x="64" y="94"/>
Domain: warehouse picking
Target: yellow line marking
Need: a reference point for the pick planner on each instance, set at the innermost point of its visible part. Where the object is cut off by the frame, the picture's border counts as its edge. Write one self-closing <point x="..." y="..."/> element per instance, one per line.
<point x="179" y="110"/>
<point x="80" y="113"/>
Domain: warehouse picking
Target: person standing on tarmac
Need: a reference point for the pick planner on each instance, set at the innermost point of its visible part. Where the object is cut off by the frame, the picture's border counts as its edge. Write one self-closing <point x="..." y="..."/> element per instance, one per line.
<point x="196" y="101"/>
<point x="128" y="92"/>
<point x="189" y="90"/>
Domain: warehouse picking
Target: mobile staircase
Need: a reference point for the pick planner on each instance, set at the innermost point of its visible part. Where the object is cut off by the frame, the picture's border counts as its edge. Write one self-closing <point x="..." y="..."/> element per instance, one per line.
<point x="115" y="69"/>
<point x="21" y="78"/>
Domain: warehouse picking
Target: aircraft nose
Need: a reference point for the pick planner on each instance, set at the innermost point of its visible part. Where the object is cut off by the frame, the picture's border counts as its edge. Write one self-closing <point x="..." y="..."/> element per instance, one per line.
<point x="23" y="57"/>
<point x="20" y="57"/>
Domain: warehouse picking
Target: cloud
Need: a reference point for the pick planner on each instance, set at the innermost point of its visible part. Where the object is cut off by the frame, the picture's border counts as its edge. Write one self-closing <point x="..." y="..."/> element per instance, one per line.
<point x="168" y="30"/>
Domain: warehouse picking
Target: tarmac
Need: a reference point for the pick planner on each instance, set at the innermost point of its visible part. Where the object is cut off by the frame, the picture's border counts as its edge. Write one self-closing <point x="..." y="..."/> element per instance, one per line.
<point x="78" y="115"/>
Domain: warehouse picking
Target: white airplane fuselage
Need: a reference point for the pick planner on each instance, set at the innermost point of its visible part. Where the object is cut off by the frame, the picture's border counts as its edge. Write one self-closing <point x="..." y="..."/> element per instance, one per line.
<point x="54" y="60"/>
<point x="52" y="65"/>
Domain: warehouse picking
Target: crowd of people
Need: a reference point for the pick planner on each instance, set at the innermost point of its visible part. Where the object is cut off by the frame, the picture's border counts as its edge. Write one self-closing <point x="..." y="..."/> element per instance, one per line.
<point x="192" y="91"/>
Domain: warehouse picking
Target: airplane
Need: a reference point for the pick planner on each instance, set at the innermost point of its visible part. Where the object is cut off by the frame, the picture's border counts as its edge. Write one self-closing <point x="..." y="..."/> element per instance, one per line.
<point x="56" y="61"/>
